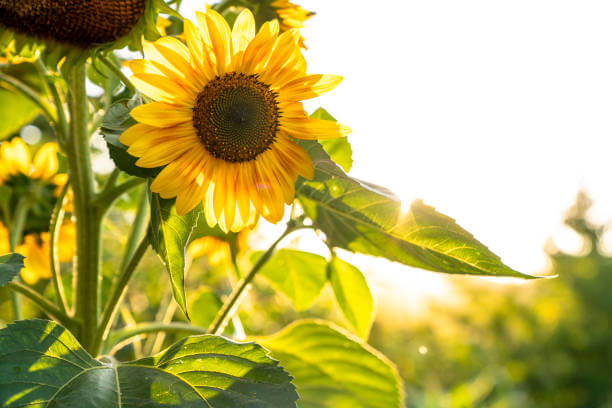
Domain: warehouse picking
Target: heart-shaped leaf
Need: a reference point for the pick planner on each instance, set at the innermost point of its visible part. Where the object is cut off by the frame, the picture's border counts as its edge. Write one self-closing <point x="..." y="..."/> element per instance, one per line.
<point x="42" y="365"/>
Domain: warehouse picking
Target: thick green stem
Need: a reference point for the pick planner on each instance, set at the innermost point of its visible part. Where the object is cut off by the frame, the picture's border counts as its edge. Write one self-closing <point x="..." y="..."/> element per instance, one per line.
<point x="88" y="216"/>
<point x="138" y="227"/>
<point x="117" y="71"/>
<point x="62" y="122"/>
<point x="56" y="221"/>
<point x="106" y="198"/>
<point x="232" y="303"/>
<point x="110" y="310"/>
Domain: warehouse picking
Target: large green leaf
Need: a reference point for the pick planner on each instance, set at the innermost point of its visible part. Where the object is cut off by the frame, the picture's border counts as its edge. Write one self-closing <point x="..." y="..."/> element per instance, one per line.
<point x="228" y="374"/>
<point x="334" y="369"/>
<point x="42" y="365"/>
<point x="10" y="266"/>
<point x="362" y="217"/>
<point x="339" y="149"/>
<point x="116" y="121"/>
<point x="353" y="295"/>
<point x="170" y="234"/>
<point x="298" y="275"/>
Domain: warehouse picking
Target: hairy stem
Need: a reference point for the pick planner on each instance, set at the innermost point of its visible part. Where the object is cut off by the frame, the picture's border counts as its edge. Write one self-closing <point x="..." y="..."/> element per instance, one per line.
<point x="88" y="216"/>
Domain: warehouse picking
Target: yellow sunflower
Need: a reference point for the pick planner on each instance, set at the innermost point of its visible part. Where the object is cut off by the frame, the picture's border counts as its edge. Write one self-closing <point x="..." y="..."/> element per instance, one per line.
<point x="23" y="175"/>
<point x="217" y="249"/>
<point x="291" y="16"/>
<point x="226" y="107"/>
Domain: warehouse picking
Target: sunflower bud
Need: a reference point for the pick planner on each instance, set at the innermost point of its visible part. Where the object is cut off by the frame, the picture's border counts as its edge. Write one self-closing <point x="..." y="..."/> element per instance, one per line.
<point x="81" y="23"/>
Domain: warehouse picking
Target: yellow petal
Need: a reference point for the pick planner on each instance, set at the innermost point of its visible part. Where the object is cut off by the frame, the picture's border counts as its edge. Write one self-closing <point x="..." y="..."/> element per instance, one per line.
<point x="162" y="115"/>
<point x="220" y="37"/>
<point x="309" y="86"/>
<point x="45" y="162"/>
<point x="313" y="129"/>
<point x="188" y="199"/>
<point x="243" y="31"/>
<point x="162" y="89"/>
<point x="259" y="47"/>
<point x="202" y="56"/>
<point x="162" y="150"/>
<point x="133" y="133"/>
<point x="172" y="58"/>
<point x="16" y="156"/>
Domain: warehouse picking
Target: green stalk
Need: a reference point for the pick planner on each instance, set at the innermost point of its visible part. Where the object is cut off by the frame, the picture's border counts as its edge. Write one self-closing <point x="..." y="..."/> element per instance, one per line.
<point x="56" y="221"/>
<point x="117" y="71"/>
<point x="88" y="216"/>
<point x="232" y="303"/>
<point x="15" y="235"/>
<point x="110" y="310"/>
<point x="62" y="122"/>
<point x="46" y="306"/>
<point x="138" y="226"/>
<point x="154" y="327"/>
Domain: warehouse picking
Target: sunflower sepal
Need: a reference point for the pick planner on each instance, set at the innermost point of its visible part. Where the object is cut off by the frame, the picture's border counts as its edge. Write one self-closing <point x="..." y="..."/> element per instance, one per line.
<point x="116" y="121"/>
<point x="170" y="235"/>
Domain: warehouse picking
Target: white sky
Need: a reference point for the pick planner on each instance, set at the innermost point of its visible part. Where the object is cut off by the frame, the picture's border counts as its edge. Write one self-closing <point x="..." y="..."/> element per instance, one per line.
<point x="495" y="112"/>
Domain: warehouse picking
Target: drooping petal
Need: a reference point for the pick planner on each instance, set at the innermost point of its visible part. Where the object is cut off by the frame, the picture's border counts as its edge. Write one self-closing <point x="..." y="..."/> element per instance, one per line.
<point x="162" y="89"/>
<point x="313" y="129"/>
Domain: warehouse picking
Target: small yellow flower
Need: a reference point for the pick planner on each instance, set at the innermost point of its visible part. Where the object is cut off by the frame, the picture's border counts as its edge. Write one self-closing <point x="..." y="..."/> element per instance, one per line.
<point x="227" y="107"/>
<point x="15" y="159"/>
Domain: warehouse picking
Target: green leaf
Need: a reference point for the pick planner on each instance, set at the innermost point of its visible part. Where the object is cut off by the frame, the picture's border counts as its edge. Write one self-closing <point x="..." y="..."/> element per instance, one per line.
<point x="16" y="111"/>
<point x="42" y="365"/>
<point x="339" y="149"/>
<point x="353" y="295"/>
<point x="228" y="374"/>
<point x="334" y="369"/>
<point x="298" y="275"/>
<point x="204" y="307"/>
<point x="10" y="266"/>
<point x="365" y="218"/>
<point x="116" y="121"/>
<point x="170" y="234"/>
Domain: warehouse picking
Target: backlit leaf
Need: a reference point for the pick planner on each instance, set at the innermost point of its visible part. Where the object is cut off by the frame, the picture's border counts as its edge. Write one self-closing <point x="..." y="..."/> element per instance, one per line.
<point x="334" y="369"/>
<point x="10" y="266"/>
<point x="339" y="149"/>
<point x="365" y="218"/>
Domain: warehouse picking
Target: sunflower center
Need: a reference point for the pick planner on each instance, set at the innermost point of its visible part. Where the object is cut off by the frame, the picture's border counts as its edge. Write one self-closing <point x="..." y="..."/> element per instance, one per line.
<point x="77" y="22"/>
<point x="236" y="117"/>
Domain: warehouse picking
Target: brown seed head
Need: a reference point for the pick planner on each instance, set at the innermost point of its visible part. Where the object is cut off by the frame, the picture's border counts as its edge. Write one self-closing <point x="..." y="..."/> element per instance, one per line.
<point x="77" y="22"/>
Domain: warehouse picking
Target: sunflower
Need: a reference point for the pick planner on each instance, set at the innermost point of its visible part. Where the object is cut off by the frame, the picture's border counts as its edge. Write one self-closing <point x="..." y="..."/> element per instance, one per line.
<point x="226" y="107"/>
<point x="37" y="178"/>
<point x="291" y="16"/>
<point x="217" y="249"/>
<point x="71" y="27"/>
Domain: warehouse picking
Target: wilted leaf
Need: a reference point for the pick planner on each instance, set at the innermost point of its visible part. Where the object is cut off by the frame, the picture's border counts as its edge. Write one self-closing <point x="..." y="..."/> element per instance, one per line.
<point x="333" y="369"/>
<point x="362" y="217"/>
<point x="298" y="275"/>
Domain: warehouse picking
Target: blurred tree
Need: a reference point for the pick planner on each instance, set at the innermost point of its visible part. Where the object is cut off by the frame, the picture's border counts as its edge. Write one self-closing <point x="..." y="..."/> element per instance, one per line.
<point x="537" y="344"/>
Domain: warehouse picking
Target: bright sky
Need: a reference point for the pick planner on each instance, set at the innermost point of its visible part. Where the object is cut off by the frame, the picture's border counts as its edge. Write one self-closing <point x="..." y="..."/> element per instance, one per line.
<point x="495" y="112"/>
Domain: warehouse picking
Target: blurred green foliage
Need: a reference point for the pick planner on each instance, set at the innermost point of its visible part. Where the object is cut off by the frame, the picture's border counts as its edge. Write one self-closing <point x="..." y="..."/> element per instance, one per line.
<point x="537" y="344"/>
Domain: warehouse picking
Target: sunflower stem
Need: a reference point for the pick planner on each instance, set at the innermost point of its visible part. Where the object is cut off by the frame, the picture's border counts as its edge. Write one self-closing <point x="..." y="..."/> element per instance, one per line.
<point x="57" y="219"/>
<point x="88" y="216"/>
<point x="15" y="235"/>
<point x="231" y="304"/>
<point x="29" y="93"/>
<point x="117" y="292"/>
<point x="153" y="327"/>
<point x="138" y="226"/>
<point x="117" y="71"/>
<point x="46" y="306"/>
<point x="106" y="198"/>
